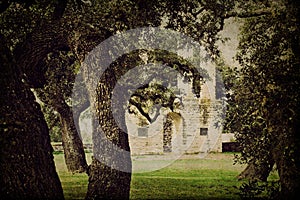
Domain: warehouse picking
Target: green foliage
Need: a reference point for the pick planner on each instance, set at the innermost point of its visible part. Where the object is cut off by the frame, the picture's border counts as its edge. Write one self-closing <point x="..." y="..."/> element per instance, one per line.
<point x="60" y="74"/>
<point x="259" y="190"/>
<point x="53" y="122"/>
<point x="264" y="96"/>
<point x="19" y="19"/>
<point x="265" y="90"/>
<point x="202" y="20"/>
<point x="60" y="77"/>
<point x="264" y="108"/>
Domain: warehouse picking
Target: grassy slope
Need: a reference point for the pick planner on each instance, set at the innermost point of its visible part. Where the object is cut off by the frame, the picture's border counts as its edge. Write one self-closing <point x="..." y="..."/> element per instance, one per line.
<point x="210" y="178"/>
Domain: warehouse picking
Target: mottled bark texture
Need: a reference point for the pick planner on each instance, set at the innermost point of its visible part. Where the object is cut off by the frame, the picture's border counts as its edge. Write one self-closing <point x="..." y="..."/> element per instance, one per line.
<point x="26" y="162"/>
<point x="110" y="170"/>
<point x="50" y="38"/>
<point x="30" y="54"/>
<point x="71" y="141"/>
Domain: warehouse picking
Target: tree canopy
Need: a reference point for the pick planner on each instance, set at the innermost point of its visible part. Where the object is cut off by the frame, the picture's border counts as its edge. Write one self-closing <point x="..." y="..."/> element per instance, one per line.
<point x="264" y="109"/>
<point x="263" y="106"/>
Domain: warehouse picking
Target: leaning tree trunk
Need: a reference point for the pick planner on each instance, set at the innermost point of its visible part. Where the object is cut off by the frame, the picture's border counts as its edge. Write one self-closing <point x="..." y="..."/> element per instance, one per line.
<point x="69" y="117"/>
<point x="71" y="141"/>
<point x="258" y="171"/>
<point x="26" y="162"/>
<point x="52" y="37"/>
<point x="110" y="170"/>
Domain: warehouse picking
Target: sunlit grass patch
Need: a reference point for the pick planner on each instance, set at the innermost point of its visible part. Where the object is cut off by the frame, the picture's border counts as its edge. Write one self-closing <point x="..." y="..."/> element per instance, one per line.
<point x="187" y="178"/>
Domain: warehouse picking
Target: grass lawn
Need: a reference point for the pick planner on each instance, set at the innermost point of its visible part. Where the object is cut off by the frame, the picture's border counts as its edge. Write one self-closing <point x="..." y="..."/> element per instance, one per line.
<point x="188" y="178"/>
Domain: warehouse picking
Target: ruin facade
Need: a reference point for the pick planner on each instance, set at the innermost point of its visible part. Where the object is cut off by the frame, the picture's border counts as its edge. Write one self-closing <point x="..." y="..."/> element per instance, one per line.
<point x="188" y="129"/>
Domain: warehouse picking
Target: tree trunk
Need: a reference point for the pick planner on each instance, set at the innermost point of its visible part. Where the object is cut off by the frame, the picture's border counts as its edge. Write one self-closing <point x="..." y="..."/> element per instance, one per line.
<point x="287" y="153"/>
<point x="167" y="134"/>
<point x="26" y="162"/>
<point x="110" y="171"/>
<point x="287" y="160"/>
<point x="38" y="45"/>
<point x="255" y="171"/>
<point x="70" y="132"/>
<point x="71" y="141"/>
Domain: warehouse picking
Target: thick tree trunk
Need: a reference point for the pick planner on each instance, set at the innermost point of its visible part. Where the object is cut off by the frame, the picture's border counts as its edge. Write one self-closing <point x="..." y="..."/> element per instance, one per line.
<point x="107" y="183"/>
<point x="38" y="45"/>
<point x="26" y="162"/>
<point x="255" y="171"/>
<point x="286" y="156"/>
<point x="110" y="171"/>
<point x="71" y="141"/>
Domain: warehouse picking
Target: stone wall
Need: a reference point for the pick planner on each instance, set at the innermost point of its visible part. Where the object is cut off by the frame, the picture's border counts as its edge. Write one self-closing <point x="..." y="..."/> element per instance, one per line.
<point x="192" y="131"/>
<point x="152" y="143"/>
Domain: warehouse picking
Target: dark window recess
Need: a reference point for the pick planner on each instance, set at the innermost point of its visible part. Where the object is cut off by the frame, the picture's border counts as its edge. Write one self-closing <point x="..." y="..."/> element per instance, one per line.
<point x="203" y="131"/>
<point x="230" y="147"/>
<point x="143" y="132"/>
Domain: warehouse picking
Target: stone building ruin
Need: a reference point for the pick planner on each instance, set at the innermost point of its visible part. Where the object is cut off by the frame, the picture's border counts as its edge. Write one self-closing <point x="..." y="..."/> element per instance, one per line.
<point x="187" y="129"/>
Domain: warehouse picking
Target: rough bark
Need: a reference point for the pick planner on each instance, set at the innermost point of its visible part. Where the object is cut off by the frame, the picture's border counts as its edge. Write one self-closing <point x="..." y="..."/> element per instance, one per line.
<point x="36" y="47"/>
<point x="26" y="162"/>
<point x="255" y="171"/>
<point x="71" y="141"/>
<point x="50" y="38"/>
<point x="110" y="171"/>
<point x="289" y="178"/>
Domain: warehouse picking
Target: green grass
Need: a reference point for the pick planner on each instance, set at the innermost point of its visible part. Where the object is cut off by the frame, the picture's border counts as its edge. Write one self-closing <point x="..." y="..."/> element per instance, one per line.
<point x="74" y="185"/>
<point x="210" y="178"/>
<point x="189" y="179"/>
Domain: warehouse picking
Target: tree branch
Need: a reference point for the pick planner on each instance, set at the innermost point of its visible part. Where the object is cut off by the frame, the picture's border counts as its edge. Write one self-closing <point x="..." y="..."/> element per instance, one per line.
<point x="156" y="114"/>
<point x="256" y="13"/>
<point x="137" y="105"/>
